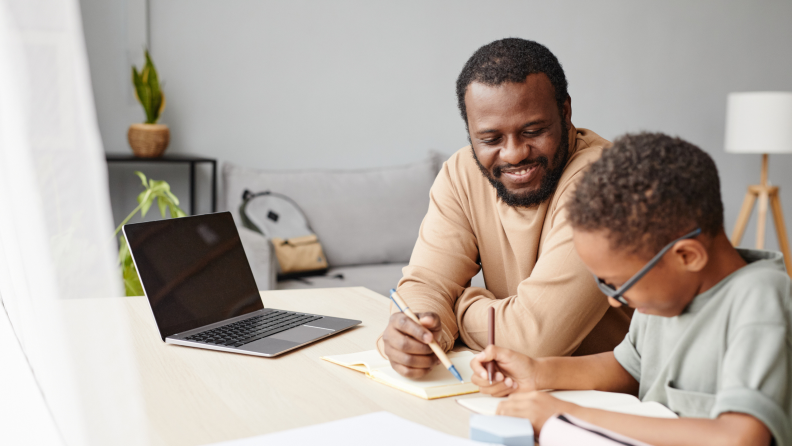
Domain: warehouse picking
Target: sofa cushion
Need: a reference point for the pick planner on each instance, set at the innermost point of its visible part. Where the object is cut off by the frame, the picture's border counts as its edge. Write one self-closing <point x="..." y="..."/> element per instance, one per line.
<point x="361" y="216"/>
<point x="379" y="278"/>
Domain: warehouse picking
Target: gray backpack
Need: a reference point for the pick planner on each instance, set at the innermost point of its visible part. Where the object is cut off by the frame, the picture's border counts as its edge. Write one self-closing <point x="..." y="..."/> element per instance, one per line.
<point x="279" y="219"/>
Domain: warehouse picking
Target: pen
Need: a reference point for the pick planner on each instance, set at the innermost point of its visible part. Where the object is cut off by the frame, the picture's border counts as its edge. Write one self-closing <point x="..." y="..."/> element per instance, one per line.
<point x="433" y="345"/>
<point x="491" y="364"/>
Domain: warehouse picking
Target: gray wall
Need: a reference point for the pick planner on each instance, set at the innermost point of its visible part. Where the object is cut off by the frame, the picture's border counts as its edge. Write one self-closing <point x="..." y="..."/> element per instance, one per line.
<point x="347" y="84"/>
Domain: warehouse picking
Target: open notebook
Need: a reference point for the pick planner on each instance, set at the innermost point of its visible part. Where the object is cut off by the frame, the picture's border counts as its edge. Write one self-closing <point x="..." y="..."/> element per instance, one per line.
<point x="439" y="383"/>
<point x="615" y="402"/>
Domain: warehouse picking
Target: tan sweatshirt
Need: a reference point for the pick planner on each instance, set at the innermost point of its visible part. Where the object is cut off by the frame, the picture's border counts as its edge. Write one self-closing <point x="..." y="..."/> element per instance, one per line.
<point x="546" y="302"/>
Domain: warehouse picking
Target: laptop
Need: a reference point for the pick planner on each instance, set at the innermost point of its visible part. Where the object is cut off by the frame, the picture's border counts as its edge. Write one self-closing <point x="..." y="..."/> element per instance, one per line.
<point x="198" y="282"/>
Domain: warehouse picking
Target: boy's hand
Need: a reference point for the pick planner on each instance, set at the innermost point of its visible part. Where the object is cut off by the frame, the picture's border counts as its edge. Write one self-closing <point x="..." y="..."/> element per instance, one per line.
<point x="514" y="372"/>
<point x="535" y="406"/>
<point x="406" y="343"/>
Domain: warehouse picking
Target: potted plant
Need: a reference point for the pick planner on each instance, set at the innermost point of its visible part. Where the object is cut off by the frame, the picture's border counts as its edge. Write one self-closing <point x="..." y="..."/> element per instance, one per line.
<point x="154" y="190"/>
<point x="149" y="139"/>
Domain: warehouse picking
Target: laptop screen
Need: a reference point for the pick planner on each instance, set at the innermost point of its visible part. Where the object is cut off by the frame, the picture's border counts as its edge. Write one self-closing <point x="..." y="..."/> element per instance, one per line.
<point x="194" y="271"/>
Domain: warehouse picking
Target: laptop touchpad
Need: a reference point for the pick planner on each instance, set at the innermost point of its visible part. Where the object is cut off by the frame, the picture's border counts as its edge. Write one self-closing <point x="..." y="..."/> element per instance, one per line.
<point x="302" y="334"/>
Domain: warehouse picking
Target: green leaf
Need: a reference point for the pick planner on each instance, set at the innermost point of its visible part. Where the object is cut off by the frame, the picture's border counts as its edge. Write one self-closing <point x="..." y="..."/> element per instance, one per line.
<point x="153" y="190"/>
<point x="144" y="206"/>
<point x="172" y="197"/>
<point x="136" y="82"/>
<point x="162" y="105"/>
<point x="144" y="196"/>
<point x="123" y="251"/>
<point x="176" y="212"/>
<point x="162" y="204"/>
<point x="132" y="286"/>
<point x="148" y="90"/>
<point x="158" y="186"/>
<point x="156" y="93"/>
<point x="142" y="178"/>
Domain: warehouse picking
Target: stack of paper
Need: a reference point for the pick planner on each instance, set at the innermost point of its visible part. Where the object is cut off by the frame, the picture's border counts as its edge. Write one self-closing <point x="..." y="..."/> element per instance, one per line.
<point x="379" y="428"/>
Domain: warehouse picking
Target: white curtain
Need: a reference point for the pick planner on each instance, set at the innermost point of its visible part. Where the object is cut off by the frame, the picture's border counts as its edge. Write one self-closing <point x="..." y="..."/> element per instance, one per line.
<point x="56" y="249"/>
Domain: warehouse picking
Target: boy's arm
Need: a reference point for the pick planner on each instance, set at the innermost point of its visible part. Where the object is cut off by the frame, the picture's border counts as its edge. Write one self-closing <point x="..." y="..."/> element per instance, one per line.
<point x="594" y="372"/>
<point x="519" y="373"/>
<point x="728" y="429"/>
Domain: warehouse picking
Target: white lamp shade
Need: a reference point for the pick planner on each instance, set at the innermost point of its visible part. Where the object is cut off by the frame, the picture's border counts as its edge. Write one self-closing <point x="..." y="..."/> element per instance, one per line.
<point x="759" y="122"/>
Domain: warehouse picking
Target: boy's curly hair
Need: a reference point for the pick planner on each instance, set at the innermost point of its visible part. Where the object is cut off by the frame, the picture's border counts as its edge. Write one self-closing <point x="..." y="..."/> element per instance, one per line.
<point x="647" y="190"/>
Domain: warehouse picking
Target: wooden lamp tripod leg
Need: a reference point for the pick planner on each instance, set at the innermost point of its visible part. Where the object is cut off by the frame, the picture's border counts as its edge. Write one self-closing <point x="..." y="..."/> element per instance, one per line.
<point x="783" y="241"/>
<point x="743" y="217"/>
<point x="761" y="221"/>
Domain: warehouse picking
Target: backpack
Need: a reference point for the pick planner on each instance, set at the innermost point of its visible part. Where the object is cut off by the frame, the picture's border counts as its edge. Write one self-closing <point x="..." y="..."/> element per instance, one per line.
<point x="280" y="219"/>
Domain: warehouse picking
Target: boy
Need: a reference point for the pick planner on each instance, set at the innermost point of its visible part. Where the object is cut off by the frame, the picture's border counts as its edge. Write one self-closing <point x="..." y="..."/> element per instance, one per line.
<point x="711" y="335"/>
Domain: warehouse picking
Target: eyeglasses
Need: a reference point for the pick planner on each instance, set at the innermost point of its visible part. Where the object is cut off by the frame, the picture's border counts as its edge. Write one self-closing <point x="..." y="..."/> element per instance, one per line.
<point x="617" y="294"/>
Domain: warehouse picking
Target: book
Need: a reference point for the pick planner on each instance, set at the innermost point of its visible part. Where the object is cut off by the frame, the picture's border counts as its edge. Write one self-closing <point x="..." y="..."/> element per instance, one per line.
<point x="565" y="429"/>
<point x="614" y="402"/>
<point x="438" y="383"/>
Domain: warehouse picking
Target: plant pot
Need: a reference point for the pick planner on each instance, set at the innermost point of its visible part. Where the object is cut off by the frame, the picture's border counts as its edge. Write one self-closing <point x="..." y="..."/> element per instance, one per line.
<point x="148" y="140"/>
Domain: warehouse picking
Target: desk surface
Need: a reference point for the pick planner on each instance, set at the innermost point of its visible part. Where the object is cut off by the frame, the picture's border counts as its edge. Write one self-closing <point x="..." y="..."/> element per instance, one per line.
<point x="195" y="396"/>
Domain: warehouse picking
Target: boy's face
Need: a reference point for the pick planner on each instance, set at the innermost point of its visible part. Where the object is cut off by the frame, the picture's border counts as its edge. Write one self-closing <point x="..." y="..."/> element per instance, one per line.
<point x="664" y="291"/>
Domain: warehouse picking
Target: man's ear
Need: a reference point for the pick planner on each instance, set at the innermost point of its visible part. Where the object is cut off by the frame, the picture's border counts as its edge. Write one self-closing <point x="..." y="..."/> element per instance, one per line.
<point x="691" y="255"/>
<point x="568" y="111"/>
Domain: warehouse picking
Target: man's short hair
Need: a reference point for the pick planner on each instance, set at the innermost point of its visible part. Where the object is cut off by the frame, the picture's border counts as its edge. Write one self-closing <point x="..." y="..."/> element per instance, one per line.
<point x="511" y="60"/>
<point x="647" y="190"/>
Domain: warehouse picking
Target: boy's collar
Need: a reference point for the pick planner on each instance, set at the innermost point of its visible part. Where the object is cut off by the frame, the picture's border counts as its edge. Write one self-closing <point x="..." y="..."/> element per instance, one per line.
<point x="753" y="257"/>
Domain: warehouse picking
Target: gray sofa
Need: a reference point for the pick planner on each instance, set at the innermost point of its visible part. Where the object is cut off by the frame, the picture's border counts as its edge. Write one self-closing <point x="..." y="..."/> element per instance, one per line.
<point x="367" y="220"/>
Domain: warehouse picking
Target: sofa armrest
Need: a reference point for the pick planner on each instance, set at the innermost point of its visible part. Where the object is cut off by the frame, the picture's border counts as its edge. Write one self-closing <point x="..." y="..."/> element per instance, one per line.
<point x="261" y="257"/>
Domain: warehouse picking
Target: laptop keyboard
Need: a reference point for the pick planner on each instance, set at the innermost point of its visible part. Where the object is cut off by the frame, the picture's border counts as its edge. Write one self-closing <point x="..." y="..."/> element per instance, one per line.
<point x="252" y="329"/>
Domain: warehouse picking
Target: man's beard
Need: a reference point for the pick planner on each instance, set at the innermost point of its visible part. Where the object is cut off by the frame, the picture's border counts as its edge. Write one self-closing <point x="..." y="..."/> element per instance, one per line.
<point x="549" y="181"/>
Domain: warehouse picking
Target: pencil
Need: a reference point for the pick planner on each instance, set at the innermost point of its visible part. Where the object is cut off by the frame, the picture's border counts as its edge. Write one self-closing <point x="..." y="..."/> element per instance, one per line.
<point x="491" y="364"/>
<point x="401" y="305"/>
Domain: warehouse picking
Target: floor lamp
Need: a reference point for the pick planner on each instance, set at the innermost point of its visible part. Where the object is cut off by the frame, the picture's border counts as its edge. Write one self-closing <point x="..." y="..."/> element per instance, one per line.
<point x="760" y="123"/>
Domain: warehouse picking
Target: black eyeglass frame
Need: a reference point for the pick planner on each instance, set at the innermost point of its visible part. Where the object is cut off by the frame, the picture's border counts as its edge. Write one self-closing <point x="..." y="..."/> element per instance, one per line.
<point x="617" y="294"/>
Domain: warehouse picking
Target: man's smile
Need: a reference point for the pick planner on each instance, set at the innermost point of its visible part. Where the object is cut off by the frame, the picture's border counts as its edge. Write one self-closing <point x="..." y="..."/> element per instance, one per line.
<point x="521" y="175"/>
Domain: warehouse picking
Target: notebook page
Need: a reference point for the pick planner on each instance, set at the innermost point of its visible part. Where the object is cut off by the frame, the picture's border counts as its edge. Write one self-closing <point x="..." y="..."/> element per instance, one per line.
<point x="439" y="376"/>
<point x="485" y="405"/>
<point x="362" y="361"/>
<point x="595" y="399"/>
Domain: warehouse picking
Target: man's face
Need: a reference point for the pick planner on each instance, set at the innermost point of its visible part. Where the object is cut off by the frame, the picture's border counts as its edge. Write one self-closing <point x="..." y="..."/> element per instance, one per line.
<point x="519" y="137"/>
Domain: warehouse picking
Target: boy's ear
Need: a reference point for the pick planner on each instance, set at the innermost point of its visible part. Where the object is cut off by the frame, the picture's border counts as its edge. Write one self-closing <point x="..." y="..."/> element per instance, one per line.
<point x="691" y="255"/>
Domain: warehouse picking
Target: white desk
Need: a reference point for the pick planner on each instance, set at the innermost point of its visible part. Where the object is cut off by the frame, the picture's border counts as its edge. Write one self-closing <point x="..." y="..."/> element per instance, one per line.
<point x="195" y="396"/>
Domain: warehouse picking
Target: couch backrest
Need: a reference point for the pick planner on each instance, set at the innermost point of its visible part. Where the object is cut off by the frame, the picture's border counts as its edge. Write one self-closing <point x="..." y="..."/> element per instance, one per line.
<point x="361" y="216"/>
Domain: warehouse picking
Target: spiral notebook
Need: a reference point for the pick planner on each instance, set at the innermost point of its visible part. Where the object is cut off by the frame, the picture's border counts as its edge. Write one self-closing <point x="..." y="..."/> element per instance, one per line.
<point x="438" y="383"/>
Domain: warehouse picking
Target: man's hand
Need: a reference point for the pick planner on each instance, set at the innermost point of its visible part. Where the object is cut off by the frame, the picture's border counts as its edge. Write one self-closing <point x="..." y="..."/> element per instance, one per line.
<point x="535" y="406"/>
<point x="406" y="343"/>
<point x="514" y="372"/>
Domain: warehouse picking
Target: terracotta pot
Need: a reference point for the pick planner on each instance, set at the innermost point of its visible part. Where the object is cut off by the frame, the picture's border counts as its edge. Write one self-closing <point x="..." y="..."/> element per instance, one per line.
<point x="148" y="140"/>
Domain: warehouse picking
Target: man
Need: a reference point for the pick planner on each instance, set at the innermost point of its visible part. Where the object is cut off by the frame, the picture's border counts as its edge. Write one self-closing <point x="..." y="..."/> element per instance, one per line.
<point x="500" y="205"/>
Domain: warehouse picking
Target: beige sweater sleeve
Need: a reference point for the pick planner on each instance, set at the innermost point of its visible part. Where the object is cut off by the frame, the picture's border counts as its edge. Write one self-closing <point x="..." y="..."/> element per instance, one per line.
<point x="554" y="309"/>
<point x="443" y="261"/>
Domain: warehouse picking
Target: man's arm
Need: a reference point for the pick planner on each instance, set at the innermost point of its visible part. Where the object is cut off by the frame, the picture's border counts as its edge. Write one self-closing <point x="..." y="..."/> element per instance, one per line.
<point x="444" y="260"/>
<point x="554" y="309"/>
